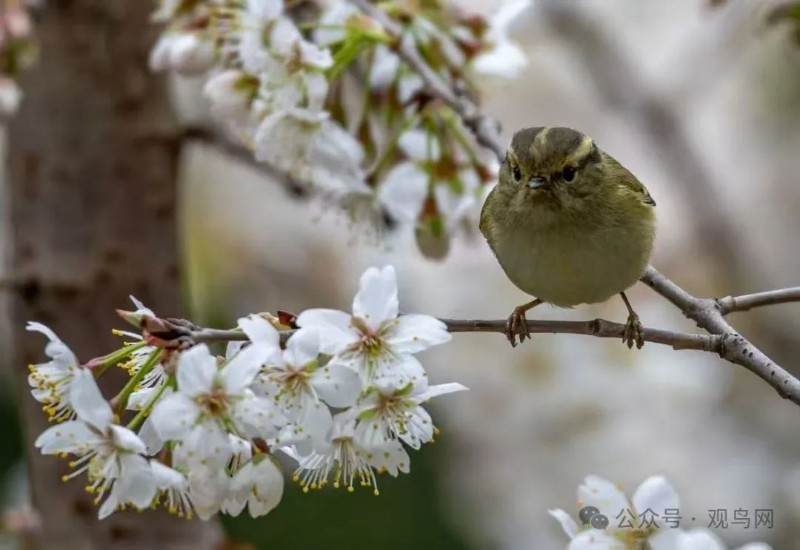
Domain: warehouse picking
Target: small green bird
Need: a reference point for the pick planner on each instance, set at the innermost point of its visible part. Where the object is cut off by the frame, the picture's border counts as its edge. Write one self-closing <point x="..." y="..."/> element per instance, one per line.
<point x="568" y="224"/>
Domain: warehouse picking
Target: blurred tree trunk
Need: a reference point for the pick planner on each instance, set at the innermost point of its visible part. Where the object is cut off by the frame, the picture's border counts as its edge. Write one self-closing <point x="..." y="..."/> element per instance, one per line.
<point x="93" y="162"/>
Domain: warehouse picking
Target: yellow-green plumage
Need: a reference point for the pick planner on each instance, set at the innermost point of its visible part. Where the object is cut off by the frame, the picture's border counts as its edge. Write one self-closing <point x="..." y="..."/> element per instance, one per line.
<point x="575" y="227"/>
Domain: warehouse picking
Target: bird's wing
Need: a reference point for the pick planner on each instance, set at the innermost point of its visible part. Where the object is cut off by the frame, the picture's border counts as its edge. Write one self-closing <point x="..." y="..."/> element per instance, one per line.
<point x="629" y="180"/>
<point x="485" y="222"/>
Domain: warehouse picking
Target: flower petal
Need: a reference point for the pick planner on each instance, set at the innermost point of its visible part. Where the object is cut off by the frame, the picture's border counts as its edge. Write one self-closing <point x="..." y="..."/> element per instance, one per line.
<point x="166" y="477"/>
<point x="439" y="389"/>
<point x="88" y="402"/>
<point x="315" y="418"/>
<point x="72" y="436"/>
<point x="269" y="488"/>
<point x="284" y="35"/>
<point x="127" y="439"/>
<point x="400" y="372"/>
<point x="336" y="384"/>
<point x="602" y="494"/>
<point x="207" y="488"/>
<point x="207" y="444"/>
<point x="174" y="416"/>
<point x="420" y="145"/>
<point x="149" y="436"/>
<point x="699" y="539"/>
<point x="259" y="330"/>
<point x="334" y="327"/>
<point x="665" y="539"/>
<point x="403" y="192"/>
<point x="240" y="371"/>
<point x="595" y="540"/>
<point x="56" y="349"/>
<point x="656" y="494"/>
<point x="257" y="417"/>
<point x="415" y="332"/>
<point x="140" y="483"/>
<point x="393" y="457"/>
<point x="302" y="348"/>
<point x="196" y="370"/>
<point x="567" y="523"/>
<point x="376" y="300"/>
<point x="265" y="10"/>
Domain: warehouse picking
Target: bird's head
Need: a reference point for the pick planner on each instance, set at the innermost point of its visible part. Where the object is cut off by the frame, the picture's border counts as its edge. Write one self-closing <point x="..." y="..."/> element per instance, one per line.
<point x="552" y="165"/>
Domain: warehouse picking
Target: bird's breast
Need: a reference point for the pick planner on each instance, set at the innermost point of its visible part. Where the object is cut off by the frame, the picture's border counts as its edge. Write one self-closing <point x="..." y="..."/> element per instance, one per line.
<point x="567" y="264"/>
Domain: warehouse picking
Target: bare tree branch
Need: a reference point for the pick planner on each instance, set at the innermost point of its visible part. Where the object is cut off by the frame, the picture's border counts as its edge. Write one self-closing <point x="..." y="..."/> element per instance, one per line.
<point x="599" y="328"/>
<point x="708" y="313"/>
<point x="622" y="89"/>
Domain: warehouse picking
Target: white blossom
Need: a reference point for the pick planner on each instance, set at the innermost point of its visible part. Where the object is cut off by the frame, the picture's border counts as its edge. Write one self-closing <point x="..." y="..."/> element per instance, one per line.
<point x="388" y="72"/>
<point x="156" y="376"/>
<point x="183" y="52"/>
<point x="257" y="485"/>
<point x="301" y="387"/>
<point x="173" y="488"/>
<point x="332" y="22"/>
<point x="651" y="499"/>
<point x="208" y="487"/>
<point x="209" y="401"/>
<point x="51" y="381"/>
<point x="10" y="97"/>
<point x="310" y="147"/>
<point x="374" y="341"/>
<point x="505" y="58"/>
<point x="110" y="454"/>
<point x="231" y="94"/>
<point x="344" y="460"/>
<point x="390" y="413"/>
<point x="403" y="192"/>
<point x="460" y="201"/>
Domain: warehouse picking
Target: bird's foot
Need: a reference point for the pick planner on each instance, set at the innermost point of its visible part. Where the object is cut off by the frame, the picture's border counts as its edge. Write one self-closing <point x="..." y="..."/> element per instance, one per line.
<point x="634" y="332"/>
<point x="517" y="325"/>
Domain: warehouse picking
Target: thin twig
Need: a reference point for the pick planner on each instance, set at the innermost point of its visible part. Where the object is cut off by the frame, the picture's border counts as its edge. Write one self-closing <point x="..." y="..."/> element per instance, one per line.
<point x="746" y="302"/>
<point x="707" y="313"/>
<point x="735" y="347"/>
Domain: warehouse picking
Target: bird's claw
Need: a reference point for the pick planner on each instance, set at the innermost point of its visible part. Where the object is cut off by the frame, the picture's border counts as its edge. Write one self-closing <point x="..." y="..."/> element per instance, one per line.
<point x="634" y="332"/>
<point x="517" y="325"/>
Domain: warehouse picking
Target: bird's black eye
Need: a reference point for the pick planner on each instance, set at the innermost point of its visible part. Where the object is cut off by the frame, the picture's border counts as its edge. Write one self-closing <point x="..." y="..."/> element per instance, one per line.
<point x="517" y="174"/>
<point x="568" y="173"/>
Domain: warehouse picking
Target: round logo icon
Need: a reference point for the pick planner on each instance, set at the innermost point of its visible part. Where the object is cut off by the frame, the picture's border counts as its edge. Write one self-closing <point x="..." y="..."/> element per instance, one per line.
<point x="590" y="515"/>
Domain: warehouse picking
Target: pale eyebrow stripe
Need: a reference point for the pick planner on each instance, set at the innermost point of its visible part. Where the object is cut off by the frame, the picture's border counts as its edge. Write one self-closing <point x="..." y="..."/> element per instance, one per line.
<point x="539" y="140"/>
<point x="581" y="152"/>
<point x="538" y="143"/>
<point x="511" y="155"/>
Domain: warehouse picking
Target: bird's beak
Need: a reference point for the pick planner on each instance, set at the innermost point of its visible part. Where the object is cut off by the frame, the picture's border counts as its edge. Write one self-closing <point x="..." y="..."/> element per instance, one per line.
<point x="536" y="183"/>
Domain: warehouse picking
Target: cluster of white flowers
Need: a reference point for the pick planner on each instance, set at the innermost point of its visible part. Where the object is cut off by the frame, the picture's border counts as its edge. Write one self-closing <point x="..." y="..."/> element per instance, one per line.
<point x="343" y="398"/>
<point x="17" y="51"/>
<point x="649" y="520"/>
<point x="329" y="104"/>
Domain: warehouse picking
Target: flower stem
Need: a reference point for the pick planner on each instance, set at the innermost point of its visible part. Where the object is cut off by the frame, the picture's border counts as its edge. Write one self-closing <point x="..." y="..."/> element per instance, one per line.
<point x="145" y="411"/>
<point x="121" y="399"/>
<point x="101" y="364"/>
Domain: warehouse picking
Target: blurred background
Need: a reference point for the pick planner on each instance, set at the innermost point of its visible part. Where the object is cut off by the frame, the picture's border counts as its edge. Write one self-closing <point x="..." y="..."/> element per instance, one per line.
<point x="703" y="104"/>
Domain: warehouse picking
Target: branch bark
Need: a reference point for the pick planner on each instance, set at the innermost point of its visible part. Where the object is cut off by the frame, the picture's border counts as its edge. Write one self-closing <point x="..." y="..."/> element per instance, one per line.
<point x="93" y="160"/>
<point x="731" y="304"/>
<point x="599" y="328"/>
